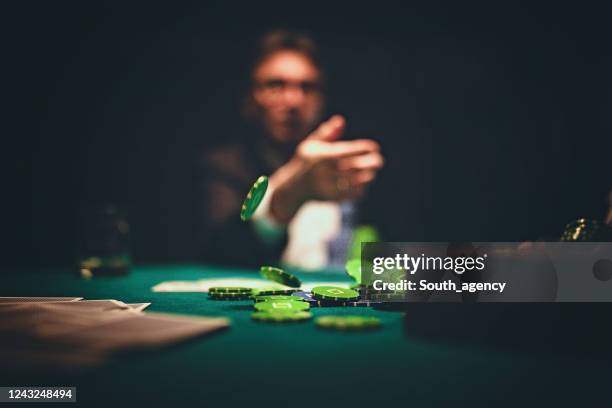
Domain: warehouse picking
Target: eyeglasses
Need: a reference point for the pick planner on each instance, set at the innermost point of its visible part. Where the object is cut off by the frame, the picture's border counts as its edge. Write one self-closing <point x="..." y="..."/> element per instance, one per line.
<point x="277" y="87"/>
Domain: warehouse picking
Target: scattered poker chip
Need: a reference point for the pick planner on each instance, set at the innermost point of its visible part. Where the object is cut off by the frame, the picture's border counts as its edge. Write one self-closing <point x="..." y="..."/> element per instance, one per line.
<point x="307" y="297"/>
<point x="229" y="289"/>
<point x="348" y="322"/>
<point x="229" y="296"/>
<point x="334" y="293"/>
<point x="330" y="303"/>
<point x="284" y="306"/>
<point x="229" y="293"/>
<point x="277" y="298"/>
<point x="280" y="276"/>
<point x="281" y="317"/>
<point x="353" y="269"/>
<point x="273" y="291"/>
<point x="253" y="198"/>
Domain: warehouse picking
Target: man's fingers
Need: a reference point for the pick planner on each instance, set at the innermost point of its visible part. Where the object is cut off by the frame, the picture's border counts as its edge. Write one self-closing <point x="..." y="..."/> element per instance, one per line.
<point x="350" y="148"/>
<point x="372" y="160"/>
<point x="329" y="130"/>
<point x="359" y="178"/>
<point x="337" y="150"/>
<point x="353" y="180"/>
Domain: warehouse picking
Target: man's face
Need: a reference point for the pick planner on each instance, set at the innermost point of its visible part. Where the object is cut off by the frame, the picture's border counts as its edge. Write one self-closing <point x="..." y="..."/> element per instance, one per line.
<point x="287" y="92"/>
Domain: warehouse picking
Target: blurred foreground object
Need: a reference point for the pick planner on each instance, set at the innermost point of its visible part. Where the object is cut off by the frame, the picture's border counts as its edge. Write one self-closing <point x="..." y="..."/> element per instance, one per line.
<point x="69" y="332"/>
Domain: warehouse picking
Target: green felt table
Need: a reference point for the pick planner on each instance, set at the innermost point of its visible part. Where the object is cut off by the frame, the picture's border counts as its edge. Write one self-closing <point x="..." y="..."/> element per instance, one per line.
<point x="255" y="362"/>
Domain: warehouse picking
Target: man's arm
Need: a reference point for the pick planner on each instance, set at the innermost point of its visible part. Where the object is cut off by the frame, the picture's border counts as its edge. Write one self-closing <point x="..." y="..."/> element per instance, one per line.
<point x="322" y="169"/>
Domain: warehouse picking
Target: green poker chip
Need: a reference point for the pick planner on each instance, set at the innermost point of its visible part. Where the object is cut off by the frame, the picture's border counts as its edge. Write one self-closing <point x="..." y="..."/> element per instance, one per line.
<point x="253" y="198"/>
<point x="334" y="293"/>
<point x="348" y="322"/>
<point x="281" y="317"/>
<point x="280" y="276"/>
<point x="282" y="306"/>
<point x="274" y="291"/>
<point x="230" y="289"/>
<point x="229" y="296"/>
<point x="229" y="293"/>
<point x="277" y="298"/>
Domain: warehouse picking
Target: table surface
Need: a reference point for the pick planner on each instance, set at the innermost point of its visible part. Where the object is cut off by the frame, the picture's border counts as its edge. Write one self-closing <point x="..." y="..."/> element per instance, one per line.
<point x="419" y="356"/>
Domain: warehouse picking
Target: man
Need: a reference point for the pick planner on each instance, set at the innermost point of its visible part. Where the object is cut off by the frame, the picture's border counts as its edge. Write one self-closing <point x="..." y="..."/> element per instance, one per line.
<point x="314" y="176"/>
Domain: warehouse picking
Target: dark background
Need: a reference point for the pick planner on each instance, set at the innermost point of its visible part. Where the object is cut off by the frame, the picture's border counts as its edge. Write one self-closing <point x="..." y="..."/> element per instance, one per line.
<point x="494" y="119"/>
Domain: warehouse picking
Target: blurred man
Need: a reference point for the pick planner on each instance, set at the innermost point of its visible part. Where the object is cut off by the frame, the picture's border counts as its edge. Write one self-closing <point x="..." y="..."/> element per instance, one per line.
<point x="315" y="178"/>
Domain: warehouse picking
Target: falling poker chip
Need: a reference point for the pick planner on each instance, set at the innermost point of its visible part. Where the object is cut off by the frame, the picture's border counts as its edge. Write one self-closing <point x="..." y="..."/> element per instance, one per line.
<point x="334" y="293"/>
<point x="284" y="306"/>
<point x="253" y="198"/>
<point x="280" y="276"/>
<point x="349" y="323"/>
<point x="281" y="317"/>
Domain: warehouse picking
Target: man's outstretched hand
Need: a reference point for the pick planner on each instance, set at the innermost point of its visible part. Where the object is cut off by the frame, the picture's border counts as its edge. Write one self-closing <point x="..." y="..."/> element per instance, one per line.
<point x="324" y="168"/>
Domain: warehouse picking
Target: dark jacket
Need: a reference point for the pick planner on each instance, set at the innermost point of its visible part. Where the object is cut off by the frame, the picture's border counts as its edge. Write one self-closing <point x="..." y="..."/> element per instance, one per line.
<point x="227" y="174"/>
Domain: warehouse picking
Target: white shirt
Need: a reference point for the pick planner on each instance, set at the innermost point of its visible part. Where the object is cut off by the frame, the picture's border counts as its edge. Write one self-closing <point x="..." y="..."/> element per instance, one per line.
<point x="310" y="231"/>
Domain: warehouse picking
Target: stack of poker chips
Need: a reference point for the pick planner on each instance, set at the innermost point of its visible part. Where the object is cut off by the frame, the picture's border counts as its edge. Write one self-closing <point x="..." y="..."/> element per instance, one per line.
<point x="291" y="305"/>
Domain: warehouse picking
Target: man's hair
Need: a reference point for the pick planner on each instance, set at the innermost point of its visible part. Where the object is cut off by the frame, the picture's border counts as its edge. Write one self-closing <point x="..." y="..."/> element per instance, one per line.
<point x="283" y="40"/>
